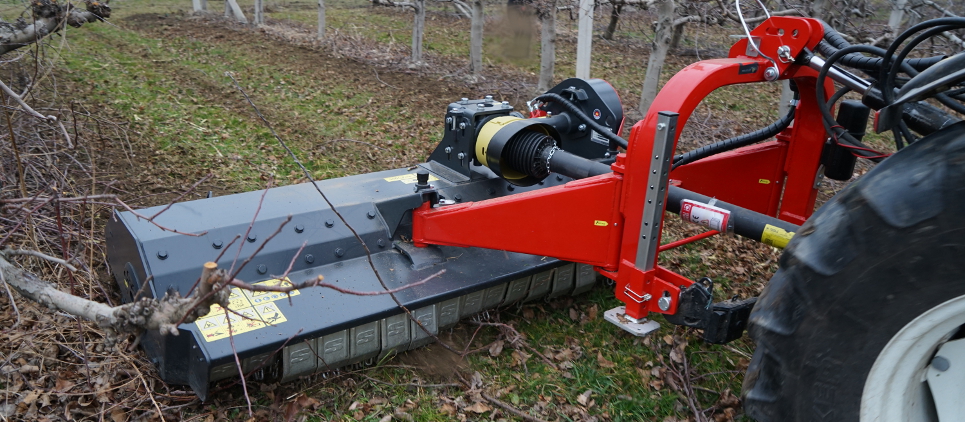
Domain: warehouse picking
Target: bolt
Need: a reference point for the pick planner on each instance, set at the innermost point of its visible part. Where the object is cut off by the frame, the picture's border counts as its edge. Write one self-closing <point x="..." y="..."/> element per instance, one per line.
<point x="339" y="252"/>
<point x="458" y="197"/>
<point x="559" y="178"/>
<point x="581" y="128"/>
<point x="299" y="228"/>
<point x="606" y="155"/>
<point x="448" y="150"/>
<point x="217" y="244"/>
<point x="462" y="125"/>
<point x="329" y="223"/>
<point x="252" y="238"/>
<point x="262" y="268"/>
<point x="505" y="103"/>
<point x="463" y="101"/>
<point x="448" y="120"/>
<point x="370" y="215"/>
<point x="309" y="258"/>
<point x="489" y="98"/>
<point x="661" y="126"/>
<point x="162" y="254"/>
<point x="510" y="188"/>
<point x="770" y="74"/>
<point x="664" y="303"/>
<point x="461" y="156"/>
<point x="492" y="191"/>
<point x="940" y="363"/>
<point x="480" y="105"/>
<point x="381" y="243"/>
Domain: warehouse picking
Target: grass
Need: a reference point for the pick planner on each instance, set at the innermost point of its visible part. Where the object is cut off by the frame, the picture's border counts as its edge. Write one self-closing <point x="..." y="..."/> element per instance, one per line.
<point x="189" y="119"/>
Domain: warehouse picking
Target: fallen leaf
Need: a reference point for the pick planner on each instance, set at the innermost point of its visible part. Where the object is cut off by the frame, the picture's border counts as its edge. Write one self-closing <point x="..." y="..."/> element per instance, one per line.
<point x="528" y="313"/>
<point x="584" y="398"/>
<point x="118" y="415"/>
<point x="31" y="397"/>
<point x="593" y="312"/>
<point x="574" y="315"/>
<point x="603" y="361"/>
<point x="496" y="348"/>
<point x="479" y="407"/>
<point x="448" y="409"/>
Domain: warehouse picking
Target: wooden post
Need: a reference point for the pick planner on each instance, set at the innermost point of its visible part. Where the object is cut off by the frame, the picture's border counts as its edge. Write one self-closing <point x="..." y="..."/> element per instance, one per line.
<point x="547" y="46"/>
<point x="584" y="39"/>
<point x="197" y="5"/>
<point x="321" y="19"/>
<point x="259" y="12"/>
<point x="897" y="14"/>
<point x="476" y="38"/>
<point x="235" y="11"/>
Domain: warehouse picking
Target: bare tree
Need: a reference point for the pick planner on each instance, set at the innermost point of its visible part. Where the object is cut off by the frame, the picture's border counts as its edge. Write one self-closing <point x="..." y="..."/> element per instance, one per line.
<point x="547" y="46"/>
<point x="476" y="38"/>
<point x="49" y="18"/>
<point x="418" y="30"/>
<point x="321" y="19"/>
<point x="658" y="52"/>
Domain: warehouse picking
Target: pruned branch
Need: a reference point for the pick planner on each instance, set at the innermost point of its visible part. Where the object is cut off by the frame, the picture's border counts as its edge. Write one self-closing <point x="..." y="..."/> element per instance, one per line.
<point x="49" y="17"/>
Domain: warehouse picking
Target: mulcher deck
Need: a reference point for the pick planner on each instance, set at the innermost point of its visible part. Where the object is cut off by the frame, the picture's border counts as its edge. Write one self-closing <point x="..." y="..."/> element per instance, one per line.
<point x="316" y="330"/>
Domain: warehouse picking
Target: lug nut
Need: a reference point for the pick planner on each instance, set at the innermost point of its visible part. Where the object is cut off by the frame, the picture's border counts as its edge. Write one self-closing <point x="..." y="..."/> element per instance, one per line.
<point x="329" y="223"/>
<point x="299" y="228"/>
<point x="252" y="238"/>
<point x="339" y="252"/>
<point x="162" y="255"/>
<point x="309" y="258"/>
<point x="370" y="215"/>
<point x="217" y="244"/>
<point x="262" y="269"/>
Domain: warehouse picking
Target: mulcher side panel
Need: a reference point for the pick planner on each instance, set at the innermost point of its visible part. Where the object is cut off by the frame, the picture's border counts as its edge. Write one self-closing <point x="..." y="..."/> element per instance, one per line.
<point x="320" y="329"/>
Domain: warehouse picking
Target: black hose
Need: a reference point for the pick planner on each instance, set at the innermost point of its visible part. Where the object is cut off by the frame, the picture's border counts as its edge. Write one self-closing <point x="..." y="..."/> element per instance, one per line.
<point x="735" y="142"/>
<point x="831" y="126"/>
<point x="572" y="108"/>
<point x="833" y="41"/>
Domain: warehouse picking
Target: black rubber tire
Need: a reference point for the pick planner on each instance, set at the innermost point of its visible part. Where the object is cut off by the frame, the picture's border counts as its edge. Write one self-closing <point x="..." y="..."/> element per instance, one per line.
<point x="883" y="251"/>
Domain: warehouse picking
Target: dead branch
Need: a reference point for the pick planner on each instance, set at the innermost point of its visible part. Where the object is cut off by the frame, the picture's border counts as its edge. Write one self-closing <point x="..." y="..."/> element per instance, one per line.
<point x="49" y="17"/>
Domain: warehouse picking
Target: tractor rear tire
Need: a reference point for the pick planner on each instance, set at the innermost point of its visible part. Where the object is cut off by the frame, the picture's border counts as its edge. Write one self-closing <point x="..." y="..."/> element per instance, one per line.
<point x="867" y="291"/>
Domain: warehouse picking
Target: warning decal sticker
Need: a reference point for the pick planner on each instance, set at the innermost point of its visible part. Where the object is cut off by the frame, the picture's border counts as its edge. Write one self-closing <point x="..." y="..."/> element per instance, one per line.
<point x="408" y="178"/>
<point x="251" y="310"/>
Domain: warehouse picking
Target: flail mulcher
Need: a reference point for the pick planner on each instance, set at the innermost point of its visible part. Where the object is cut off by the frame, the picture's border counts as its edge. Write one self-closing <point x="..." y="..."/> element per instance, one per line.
<point x="863" y="321"/>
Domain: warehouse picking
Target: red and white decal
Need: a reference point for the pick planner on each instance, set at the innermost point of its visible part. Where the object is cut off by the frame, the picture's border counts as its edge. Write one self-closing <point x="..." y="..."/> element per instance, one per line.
<point x="705" y="215"/>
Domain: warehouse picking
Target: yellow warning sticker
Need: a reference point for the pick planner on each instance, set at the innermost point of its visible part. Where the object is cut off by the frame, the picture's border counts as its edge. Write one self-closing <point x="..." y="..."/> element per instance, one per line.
<point x="600" y="223"/>
<point x="776" y="236"/>
<point x="764" y="181"/>
<point x="249" y="311"/>
<point x="408" y="178"/>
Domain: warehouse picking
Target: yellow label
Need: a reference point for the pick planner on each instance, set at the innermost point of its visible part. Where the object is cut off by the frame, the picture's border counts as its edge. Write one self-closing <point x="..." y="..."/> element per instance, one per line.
<point x="251" y="310"/>
<point x="764" y="181"/>
<point x="600" y="223"/>
<point x="776" y="236"/>
<point x="408" y="178"/>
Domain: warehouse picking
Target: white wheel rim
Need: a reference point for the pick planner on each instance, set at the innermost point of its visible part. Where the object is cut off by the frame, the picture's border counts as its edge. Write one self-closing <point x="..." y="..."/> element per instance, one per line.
<point x="896" y="389"/>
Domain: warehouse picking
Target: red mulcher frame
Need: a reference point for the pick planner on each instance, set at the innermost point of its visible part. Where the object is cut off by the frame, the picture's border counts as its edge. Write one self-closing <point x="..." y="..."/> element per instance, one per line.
<point x="597" y="220"/>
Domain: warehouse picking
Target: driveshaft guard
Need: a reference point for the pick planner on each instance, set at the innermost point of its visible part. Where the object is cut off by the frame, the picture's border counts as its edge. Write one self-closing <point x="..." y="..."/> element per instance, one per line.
<point x="279" y="336"/>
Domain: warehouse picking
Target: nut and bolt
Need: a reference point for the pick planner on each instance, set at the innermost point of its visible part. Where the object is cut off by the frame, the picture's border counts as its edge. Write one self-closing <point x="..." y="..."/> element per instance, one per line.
<point x="309" y="258"/>
<point x="217" y="244"/>
<point x="262" y="269"/>
<point x="329" y="223"/>
<point x="661" y="126"/>
<point x="581" y="128"/>
<point x="381" y="243"/>
<point x="448" y="120"/>
<point x="461" y="156"/>
<point x="770" y="73"/>
<point x="664" y="303"/>
<point x="252" y="238"/>
<point x="462" y="125"/>
<point x="162" y="255"/>
<point x="339" y="252"/>
<point x="299" y="228"/>
<point x="448" y="150"/>
<point x="458" y="197"/>
<point x="510" y="188"/>
<point x="463" y="101"/>
<point x="370" y="215"/>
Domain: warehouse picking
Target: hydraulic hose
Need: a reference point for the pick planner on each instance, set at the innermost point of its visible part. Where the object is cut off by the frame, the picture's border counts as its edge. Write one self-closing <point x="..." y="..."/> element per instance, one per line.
<point x="604" y="132"/>
<point x="735" y="142"/>
<point x="833" y="41"/>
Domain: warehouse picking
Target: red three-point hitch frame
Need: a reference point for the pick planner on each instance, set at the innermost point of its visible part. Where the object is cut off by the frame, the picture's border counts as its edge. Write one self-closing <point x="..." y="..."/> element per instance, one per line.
<point x="613" y="221"/>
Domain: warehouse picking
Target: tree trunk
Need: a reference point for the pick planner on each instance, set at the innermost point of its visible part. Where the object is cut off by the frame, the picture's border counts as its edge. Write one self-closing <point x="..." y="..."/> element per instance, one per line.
<point x="897" y="14"/>
<point x="321" y="19"/>
<point x="678" y="34"/>
<point x="658" y="52"/>
<point x="547" y="46"/>
<point x="259" y="12"/>
<point x="196" y="4"/>
<point x="584" y="39"/>
<point x="204" y="5"/>
<point x="418" y="28"/>
<point x="235" y="11"/>
<point x="611" y="28"/>
<point x="476" y="38"/>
